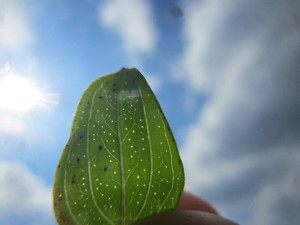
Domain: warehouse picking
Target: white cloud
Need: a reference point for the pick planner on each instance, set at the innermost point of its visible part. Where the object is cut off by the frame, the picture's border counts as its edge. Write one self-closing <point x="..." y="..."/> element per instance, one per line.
<point x="241" y="153"/>
<point x="15" y="28"/>
<point x="133" y="20"/>
<point x="273" y="198"/>
<point x="11" y="125"/>
<point x="203" y="20"/>
<point x="23" y="196"/>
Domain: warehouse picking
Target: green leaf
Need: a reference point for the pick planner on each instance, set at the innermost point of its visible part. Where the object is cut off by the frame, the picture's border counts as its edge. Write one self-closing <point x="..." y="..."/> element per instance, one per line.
<point x="121" y="162"/>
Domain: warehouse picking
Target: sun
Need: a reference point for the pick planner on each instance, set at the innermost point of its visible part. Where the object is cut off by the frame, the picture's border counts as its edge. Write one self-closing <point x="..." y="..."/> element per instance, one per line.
<point x="18" y="93"/>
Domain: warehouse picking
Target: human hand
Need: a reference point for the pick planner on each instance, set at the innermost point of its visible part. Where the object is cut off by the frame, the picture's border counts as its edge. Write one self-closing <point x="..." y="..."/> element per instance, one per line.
<point x="191" y="210"/>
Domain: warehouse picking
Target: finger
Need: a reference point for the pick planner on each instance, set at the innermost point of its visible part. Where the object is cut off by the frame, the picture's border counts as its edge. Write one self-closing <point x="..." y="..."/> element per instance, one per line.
<point x="190" y="201"/>
<point x="184" y="217"/>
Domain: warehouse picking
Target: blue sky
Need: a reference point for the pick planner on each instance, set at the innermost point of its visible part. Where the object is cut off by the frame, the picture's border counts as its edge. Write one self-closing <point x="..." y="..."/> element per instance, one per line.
<point x="225" y="72"/>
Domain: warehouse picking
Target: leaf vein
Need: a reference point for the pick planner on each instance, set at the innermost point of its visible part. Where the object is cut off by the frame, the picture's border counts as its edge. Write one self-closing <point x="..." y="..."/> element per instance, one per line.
<point x="172" y="168"/>
<point x="89" y="162"/>
<point x="151" y="155"/>
<point x="65" y="188"/>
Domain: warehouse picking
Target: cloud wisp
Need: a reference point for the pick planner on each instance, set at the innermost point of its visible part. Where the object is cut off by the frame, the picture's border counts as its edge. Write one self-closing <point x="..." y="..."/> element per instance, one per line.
<point x="15" y="28"/>
<point x="133" y="21"/>
<point x="242" y="153"/>
<point x="24" y="197"/>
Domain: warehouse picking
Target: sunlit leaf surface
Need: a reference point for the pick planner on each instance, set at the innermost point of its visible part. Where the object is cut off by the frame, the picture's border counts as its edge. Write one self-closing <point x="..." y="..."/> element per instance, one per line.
<point x="121" y="162"/>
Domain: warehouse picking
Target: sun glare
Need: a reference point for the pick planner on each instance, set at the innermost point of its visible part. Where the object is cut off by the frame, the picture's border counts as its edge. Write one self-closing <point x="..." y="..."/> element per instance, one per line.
<point x="18" y="93"/>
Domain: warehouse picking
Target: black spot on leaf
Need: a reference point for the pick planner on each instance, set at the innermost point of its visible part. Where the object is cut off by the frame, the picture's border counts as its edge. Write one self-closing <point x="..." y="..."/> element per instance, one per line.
<point x="81" y="137"/>
<point x="100" y="147"/>
<point x="100" y="97"/>
<point x="78" y="160"/>
<point x="105" y="168"/>
<point x="73" y="179"/>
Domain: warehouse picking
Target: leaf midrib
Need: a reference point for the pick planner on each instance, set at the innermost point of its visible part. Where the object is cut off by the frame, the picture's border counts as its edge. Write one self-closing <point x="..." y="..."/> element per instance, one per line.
<point x="123" y="183"/>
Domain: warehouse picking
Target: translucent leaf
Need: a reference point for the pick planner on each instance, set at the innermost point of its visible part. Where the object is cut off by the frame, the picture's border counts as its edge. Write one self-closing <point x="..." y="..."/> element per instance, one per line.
<point x="121" y="162"/>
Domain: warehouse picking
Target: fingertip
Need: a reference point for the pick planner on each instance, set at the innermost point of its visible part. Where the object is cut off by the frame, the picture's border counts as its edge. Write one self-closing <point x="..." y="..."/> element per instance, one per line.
<point x="189" y="201"/>
<point x="184" y="217"/>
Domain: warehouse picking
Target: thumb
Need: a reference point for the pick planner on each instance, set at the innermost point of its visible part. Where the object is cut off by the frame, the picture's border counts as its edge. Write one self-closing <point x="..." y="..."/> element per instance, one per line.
<point x="184" y="217"/>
